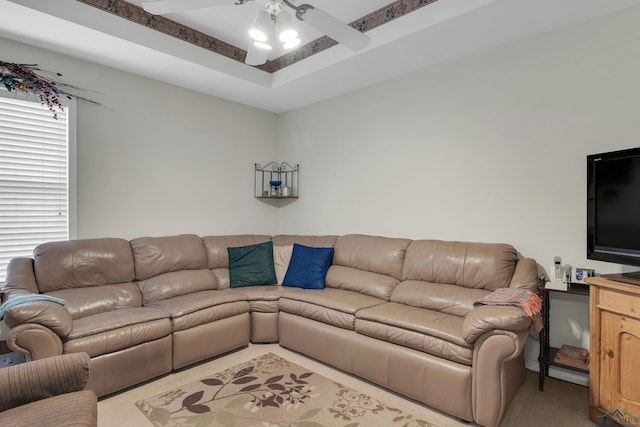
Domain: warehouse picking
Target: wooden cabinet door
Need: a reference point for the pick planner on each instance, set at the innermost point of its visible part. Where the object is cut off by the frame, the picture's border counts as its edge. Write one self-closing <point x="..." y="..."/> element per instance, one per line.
<point x="620" y="363"/>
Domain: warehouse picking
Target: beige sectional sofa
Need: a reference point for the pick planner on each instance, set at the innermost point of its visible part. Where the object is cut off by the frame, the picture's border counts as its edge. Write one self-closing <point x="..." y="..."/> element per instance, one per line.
<point x="397" y="312"/>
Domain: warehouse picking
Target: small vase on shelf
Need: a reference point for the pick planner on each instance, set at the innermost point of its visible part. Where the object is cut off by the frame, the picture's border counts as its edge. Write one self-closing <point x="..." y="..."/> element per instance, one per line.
<point x="276" y="186"/>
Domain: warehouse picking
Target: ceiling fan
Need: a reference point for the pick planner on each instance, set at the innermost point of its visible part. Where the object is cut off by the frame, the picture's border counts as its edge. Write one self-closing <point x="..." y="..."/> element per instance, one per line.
<point x="272" y="22"/>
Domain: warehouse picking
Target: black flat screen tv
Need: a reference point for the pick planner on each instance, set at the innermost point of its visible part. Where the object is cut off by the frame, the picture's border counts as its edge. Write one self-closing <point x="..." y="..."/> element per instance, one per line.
<point x="613" y="207"/>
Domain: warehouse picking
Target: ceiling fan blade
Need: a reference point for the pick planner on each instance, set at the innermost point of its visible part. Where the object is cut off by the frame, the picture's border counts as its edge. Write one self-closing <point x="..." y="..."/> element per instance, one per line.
<point x="160" y="7"/>
<point x="255" y="55"/>
<point x="333" y="27"/>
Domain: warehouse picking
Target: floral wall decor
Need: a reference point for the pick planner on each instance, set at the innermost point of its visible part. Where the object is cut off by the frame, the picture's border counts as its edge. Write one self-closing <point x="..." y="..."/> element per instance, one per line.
<point x="28" y="78"/>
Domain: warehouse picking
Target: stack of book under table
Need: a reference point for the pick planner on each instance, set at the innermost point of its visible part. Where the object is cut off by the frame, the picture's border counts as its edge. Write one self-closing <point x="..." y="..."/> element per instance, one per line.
<point x="573" y="356"/>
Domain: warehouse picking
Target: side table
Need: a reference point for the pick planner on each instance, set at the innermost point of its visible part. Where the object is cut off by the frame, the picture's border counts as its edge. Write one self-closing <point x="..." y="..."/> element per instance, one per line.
<point x="548" y="353"/>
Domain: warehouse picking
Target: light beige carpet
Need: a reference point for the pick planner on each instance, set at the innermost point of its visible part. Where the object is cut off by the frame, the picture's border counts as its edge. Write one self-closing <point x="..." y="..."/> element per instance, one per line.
<point x="271" y="391"/>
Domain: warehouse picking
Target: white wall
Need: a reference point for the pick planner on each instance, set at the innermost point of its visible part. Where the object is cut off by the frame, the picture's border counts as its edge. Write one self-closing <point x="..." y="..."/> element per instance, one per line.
<point x="158" y="160"/>
<point x="490" y="147"/>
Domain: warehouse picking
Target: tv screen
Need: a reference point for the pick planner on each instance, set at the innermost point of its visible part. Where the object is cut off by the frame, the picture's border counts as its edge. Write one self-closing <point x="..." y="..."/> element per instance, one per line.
<point x="613" y="207"/>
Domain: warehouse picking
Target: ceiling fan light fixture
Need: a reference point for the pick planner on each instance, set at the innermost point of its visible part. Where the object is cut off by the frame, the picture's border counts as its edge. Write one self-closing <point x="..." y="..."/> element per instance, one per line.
<point x="334" y="28"/>
<point x="263" y="45"/>
<point x="292" y="43"/>
<point x="261" y="27"/>
<point x="284" y="27"/>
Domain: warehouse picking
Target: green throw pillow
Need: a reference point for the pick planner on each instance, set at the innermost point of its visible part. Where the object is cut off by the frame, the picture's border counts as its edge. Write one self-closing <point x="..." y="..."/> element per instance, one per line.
<point x="251" y="265"/>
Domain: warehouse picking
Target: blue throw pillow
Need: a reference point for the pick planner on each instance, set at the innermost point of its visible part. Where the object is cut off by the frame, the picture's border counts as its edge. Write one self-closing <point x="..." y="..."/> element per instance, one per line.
<point x="308" y="267"/>
<point x="251" y="265"/>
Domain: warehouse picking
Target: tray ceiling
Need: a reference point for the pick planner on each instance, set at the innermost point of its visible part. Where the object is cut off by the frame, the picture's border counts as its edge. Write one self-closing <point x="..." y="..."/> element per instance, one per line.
<point x="207" y="46"/>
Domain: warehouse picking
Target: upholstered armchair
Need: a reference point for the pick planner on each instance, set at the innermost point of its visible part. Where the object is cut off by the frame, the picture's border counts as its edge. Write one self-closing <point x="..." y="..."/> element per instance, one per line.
<point x="48" y="392"/>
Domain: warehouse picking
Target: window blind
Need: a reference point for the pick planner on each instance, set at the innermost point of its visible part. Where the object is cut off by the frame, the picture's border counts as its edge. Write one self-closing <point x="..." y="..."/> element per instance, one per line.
<point x="34" y="184"/>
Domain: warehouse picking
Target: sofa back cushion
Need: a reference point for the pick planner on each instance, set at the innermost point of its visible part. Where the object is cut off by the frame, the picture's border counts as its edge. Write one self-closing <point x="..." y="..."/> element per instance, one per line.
<point x="367" y="264"/>
<point x="382" y="255"/>
<point x="218" y="258"/>
<point x="157" y="255"/>
<point x="82" y="263"/>
<point x="306" y="240"/>
<point x="450" y="299"/>
<point x="472" y="265"/>
<point x="175" y="283"/>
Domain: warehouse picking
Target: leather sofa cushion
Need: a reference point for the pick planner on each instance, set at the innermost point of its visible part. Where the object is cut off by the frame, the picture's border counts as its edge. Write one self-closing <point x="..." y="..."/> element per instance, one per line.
<point x="119" y="339"/>
<point x="175" y="283"/>
<point x="335" y="307"/>
<point x="425" y="330"/>
<point x="364" y="282"/>
<point x="281" y="260"/>
<point x="116" y="330"/>
<point x="81" y="263"/>
<point x="262" y="299"/>
<point x="197" y="308"/>
<point x="451" y="299"/>
<point x="313" y="241"/>
<point x="157" y="255"/>
<point x="112" y="320"/>
<point x="81" y="302"/>
<point x="209" y="315"/>
<point x="382" y="255"/>
<point x="216" y="247"/>
<point x="473" y="265"/>
<point x="190" y="303"/>
<point x="222" y="277"/>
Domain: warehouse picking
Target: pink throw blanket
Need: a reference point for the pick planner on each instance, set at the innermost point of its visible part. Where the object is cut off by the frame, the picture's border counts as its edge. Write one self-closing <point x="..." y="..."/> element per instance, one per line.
<point x="526" y="300"/>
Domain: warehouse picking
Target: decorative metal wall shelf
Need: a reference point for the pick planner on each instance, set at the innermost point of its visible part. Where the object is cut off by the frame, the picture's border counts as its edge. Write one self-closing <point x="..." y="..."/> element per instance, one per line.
<point x="276" y="181"/>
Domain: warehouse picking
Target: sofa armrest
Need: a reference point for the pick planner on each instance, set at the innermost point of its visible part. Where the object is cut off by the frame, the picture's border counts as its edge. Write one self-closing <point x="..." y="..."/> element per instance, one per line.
<point x="21" y="283"/>
<point x="525" y="275"/>
<point x="48" y="314"/>
<point x="485" y="318"/>
<point x="40" y="379"/>
<point x="34" y="341"/>
<point x="498" y="372"/>
<point x="20" y="279"/>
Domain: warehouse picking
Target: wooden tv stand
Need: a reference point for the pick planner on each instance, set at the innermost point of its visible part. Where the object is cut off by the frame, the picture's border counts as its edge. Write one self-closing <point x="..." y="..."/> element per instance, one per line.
<point x="614" y="382"/>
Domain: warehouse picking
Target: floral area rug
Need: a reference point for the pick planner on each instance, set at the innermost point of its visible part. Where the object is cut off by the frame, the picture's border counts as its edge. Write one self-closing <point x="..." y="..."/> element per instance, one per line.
<point x="270" y="391"/>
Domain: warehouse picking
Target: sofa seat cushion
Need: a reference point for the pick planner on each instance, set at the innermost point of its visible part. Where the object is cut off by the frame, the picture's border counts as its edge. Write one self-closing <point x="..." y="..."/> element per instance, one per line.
<point x="198" y="308"/>
<point x="118" y="329"/>
<point x="425" y="330"/>
<point x="262" y="299"/>
<point x="335" y="307"/>
<point x="450" y="299"/>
